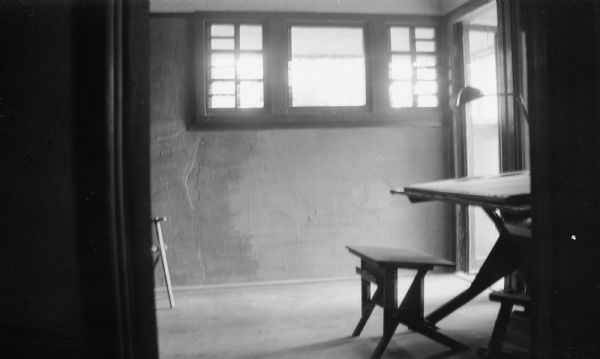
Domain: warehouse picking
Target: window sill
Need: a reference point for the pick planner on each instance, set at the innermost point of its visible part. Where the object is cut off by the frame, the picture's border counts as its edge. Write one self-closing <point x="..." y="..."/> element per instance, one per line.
<point x="409" y="117"/>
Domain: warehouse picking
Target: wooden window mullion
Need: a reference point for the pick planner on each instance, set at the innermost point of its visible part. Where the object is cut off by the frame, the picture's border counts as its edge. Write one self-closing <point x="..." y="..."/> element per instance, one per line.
<point x="413" y="58"/>
<point x="236" y="57"/>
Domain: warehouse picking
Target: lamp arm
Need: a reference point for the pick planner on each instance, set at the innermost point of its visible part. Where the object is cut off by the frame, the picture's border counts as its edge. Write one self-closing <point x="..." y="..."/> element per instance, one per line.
<point x="522" y="103"/>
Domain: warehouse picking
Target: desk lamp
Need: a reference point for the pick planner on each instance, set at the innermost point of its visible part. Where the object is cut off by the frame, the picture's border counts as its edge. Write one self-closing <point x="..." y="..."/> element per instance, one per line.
<point x="468" y="94"/>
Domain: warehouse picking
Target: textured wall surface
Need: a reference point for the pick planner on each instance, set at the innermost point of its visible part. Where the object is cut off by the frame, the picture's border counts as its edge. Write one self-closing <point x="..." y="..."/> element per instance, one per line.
<point x="280" y="204"/>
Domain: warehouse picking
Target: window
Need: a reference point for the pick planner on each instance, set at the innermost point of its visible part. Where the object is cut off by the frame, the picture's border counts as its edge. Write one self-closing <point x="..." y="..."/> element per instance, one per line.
<point x="263" y="69"/>
<point x="327" y="67"/>
<point x="236" y="66"/>
<point x="412" y="67"/>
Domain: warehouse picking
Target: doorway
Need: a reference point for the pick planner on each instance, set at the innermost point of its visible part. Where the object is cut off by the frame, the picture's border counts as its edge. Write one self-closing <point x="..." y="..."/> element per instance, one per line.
<point x="482" y="127"/>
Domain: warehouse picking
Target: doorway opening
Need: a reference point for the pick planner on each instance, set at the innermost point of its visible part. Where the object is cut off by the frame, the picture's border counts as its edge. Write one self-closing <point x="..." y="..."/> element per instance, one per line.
<point x="482" y="125"/>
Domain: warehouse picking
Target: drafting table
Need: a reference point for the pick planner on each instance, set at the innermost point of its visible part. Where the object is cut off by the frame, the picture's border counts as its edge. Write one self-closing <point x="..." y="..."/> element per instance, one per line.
<point x="504" y="198"/>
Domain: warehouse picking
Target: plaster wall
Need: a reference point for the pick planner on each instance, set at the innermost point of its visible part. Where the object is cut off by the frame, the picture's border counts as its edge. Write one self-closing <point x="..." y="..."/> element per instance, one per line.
<point x="280" y="204"/>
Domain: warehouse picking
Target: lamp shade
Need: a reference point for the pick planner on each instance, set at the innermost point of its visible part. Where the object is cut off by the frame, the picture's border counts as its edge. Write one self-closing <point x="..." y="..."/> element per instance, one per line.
<point x="467" y="94"/>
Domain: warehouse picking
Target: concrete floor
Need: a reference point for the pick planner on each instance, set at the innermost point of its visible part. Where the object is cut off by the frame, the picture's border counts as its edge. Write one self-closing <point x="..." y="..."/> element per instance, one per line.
<point x="309" y="320"/>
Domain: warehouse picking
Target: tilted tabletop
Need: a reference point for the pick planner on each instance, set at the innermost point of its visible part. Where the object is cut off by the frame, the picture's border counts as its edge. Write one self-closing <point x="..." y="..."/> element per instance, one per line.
<point x="509" y="192"/>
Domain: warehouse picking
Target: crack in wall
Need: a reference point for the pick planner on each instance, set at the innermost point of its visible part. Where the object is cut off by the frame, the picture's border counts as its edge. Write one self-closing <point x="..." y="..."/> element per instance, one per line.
<point x="189" y="169"/>
<point x="168" y="136"/>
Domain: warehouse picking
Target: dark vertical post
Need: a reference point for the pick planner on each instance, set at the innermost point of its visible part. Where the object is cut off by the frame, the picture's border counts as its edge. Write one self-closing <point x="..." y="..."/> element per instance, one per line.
<point x="136" y="177"/>
<point x="564" y="38"/>
<point x="75" y="195"/>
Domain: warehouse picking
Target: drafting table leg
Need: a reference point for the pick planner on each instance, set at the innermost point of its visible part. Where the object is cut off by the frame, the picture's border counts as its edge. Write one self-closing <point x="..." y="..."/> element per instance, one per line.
<point x="502" y="261"/>
<point x="410" y="313"/>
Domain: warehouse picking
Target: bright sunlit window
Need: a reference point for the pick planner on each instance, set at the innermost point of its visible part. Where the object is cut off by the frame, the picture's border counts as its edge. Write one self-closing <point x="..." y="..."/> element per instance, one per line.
<point x="412" y="67"/>
<point x="481" y="74"/>
<point x="327" y="67"/>
<point x="236" y="66"/>
<point x="262" y="69"/>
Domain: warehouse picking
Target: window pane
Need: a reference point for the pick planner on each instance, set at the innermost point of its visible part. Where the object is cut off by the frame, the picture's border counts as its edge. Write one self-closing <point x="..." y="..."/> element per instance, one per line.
<point x="327" y="41"/>
<point x="427" y="101"/>
<point x="481" y="41"/>
<point x="222" y="73"/>
<point x="424" y="33"/>
<point x="222" y="101"/>
<point x="413" y="75"/>
<point x="425" y="46"/>
<point x="251" y="94"/>
<point x="222" y="88"/>
<point x="236" y="66"/>
<point x="401" y="94"/>
<point x="425" y="60"/>
<point x="327" y="67"/>
<point x="426" y="73"/>
<point x="401" y="67"/>
<point x="400" y="38"/>
<point x="250" y="37"/>
<point x="221" y="30"/>
<point x="250" y="66"/>
<point x="222" y="60"/>
<point x="221" y="44"/>
<point x="425" y="87"/>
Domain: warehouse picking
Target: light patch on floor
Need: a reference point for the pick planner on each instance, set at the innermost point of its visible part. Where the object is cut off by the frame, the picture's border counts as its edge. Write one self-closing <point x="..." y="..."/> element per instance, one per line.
<point x="310" y="320"/>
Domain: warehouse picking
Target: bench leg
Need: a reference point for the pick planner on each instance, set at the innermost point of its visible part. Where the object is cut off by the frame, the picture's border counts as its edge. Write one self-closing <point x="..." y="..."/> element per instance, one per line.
<point x="368" y="304"/>
<point x="389" y="328"/>
<point x="389" y="285"/>
<point x="411" y="308"/>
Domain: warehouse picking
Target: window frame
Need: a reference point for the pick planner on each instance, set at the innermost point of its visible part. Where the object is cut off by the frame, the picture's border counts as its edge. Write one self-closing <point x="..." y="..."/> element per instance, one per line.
<point x="276" y="112"/>
<point x="207" y="51"/>
<point x="237" y="53"/>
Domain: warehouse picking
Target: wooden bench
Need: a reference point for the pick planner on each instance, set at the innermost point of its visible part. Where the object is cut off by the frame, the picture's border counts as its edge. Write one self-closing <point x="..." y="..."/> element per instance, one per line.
<point x="380" y="266"/>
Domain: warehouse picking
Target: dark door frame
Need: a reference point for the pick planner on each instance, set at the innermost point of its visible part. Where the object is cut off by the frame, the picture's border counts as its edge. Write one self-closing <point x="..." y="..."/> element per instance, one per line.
<point x="77" y="279"/>
<point x="128" y="101"/>
<point x="127" y="139"/>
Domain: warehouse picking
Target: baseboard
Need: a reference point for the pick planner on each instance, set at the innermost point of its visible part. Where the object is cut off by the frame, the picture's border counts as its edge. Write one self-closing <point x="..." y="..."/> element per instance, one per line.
<point x="209" y="287"/>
